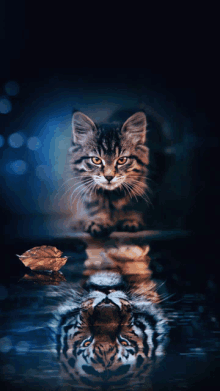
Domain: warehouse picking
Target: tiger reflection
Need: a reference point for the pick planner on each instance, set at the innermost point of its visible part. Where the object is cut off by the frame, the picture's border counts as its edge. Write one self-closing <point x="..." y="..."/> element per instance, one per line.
<point x="110" y="332"/>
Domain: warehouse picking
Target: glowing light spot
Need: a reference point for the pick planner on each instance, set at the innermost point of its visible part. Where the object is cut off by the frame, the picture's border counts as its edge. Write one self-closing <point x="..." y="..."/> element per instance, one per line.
<point x="16" y="140"/>
<point x="3" y="292"/>
<point x="33" y="143"/>
<point x="12" y="88"/>
<point x="22" y="347"/>
<point x="5" y="105"/>
<point x="5" y="345"/>
<point x="18" y="167"/>
<point x="2" y="141"/>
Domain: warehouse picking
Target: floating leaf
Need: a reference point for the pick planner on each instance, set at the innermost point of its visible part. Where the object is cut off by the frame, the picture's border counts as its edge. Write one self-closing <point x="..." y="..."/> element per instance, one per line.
<point x="44" y="278"/>
<point x="43" y="258"/>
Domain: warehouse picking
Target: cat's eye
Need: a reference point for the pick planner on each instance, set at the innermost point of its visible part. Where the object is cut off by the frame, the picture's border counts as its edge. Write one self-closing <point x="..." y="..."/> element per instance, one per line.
<point x="122" y="160"/>
<point x="96" y="160"/>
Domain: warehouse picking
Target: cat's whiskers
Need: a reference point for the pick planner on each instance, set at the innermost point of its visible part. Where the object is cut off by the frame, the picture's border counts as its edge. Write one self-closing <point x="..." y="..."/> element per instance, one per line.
<point x="78" y="189"/>
<point x="130" y="189"/>
<point x="146" y="179"/>
<point x="126" y="189"/>
<point x="70" y="179"/>
<point x="140" y="177"/>
<point x="166" y="297"/>
<point x="134" y="193"/>
<point x="140" y="185"/>
<point x="88" y="191"/>
<point x="139" y="191"/>
<point x="80" y="193"/>
<point x="84" y="185"/>
<point x="73" y="178"/>
<point x="91" y="187"/>
<point x="83" y="195"/>
<point x="91" y="190"/>
<point x="69" y="189"/>
<point x="81" y="184"/>
<point x="143" y="190"/>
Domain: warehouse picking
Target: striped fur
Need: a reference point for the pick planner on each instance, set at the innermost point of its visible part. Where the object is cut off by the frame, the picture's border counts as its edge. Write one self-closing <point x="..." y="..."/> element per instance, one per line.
<point x="110" y="333"/>
<point x="109" y="164"/>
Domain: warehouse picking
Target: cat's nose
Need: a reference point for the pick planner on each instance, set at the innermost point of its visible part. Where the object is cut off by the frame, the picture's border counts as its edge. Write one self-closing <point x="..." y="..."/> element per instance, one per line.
<point x="109" y="177"/>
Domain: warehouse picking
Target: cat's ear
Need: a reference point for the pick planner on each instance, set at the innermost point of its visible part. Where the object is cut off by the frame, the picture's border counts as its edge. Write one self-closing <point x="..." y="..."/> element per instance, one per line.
<point x="135" y="128"/>
<point x="82" y="127"/>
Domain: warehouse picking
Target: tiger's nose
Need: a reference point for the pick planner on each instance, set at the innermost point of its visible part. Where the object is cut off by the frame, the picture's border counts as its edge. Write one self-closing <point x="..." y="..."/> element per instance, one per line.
<point x="109" y="177"/>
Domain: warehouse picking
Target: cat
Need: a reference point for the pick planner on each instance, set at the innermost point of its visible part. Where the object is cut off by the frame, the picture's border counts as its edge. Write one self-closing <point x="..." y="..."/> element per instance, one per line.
<point x="110" y="165"/>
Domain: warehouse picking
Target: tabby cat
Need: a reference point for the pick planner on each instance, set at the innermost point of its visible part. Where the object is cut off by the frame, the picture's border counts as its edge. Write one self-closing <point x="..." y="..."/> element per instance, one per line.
<point x="107" y="333"/>
<point x="109" y="164"/>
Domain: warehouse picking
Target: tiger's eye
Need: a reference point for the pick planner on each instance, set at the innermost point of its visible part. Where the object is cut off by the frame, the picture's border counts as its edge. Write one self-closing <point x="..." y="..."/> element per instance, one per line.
<point x="96" y="160"/>
<point x="87" y="343"/>
<point x="122" y="160"/>
<point x="124" y="343"/>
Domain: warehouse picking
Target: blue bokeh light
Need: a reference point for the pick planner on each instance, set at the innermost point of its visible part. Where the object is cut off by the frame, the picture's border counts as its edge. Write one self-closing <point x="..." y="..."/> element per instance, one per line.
<point x="16" y="140"/>
<point x="18" y="167"/>
<point x="33" y="143"/>
<point x="5" y="345"/>
<point x="2" y="141"/>
<point x="12" y="88"/>
<point x="5" y="105"/>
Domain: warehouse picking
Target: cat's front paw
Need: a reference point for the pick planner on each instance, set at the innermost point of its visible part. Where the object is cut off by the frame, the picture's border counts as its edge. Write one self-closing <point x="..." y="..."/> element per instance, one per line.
<point x="98" y="229"/>
<point x="131" y="225"/>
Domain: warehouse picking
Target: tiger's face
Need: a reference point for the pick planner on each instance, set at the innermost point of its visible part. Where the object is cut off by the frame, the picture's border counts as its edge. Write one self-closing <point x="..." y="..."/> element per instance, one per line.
<point x="107" y="340"/>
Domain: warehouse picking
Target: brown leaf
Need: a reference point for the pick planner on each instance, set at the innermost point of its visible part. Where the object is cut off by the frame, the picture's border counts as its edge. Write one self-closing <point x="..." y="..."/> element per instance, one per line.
<point x="43" y="258"/>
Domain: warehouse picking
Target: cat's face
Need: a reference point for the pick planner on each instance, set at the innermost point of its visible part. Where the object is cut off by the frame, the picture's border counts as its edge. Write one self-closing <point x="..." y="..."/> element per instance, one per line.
<point x="113" y="158"/>
<point x="111" y="172"/>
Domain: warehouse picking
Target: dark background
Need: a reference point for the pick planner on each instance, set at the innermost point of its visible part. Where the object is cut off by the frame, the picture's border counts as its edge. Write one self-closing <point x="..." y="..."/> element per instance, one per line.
<point x="59" y="64"/>
<point x="65" y="58"/>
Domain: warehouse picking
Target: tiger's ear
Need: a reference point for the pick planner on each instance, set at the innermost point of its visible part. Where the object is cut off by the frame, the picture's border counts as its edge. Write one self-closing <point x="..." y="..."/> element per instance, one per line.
<point x="82" y="127"/>
<point x="135" y="128"/>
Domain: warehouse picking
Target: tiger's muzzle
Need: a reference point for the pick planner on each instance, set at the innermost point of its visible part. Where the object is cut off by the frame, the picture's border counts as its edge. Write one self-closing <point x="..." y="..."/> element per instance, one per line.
<point x="107" y="317"/>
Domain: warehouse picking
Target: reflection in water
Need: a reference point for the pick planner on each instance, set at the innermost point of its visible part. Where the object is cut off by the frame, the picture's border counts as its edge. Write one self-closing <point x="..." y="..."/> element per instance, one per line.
<point x="109" y="332"/>
<point x="101" y="322"/>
